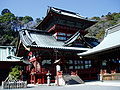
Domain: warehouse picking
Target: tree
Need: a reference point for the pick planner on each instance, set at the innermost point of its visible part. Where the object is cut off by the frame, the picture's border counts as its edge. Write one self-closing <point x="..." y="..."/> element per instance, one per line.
<point x="95" y="18"/>
<point x="27" y="19"/>
<point x="38" y="20"/>
<point x="7" y="17"/>
<point x="15" y="73"/>
<point x="7" y="33"/>
<point x="4" y="11"/>
<point x="109" y="16"/>
<point x="9" y="26"/>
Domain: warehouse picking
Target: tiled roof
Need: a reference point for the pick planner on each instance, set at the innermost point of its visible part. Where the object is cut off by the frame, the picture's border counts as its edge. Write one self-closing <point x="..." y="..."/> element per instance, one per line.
<point x="7" y="54"/>
<point x="36" y="39"/>
<point x="68" y="13"/>
<point x="111" y="40"/>
<point x="62" y="14"/>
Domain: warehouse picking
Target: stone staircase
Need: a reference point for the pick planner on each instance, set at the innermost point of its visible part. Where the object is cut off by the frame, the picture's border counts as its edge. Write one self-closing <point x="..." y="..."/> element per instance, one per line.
<point x="72" y="79"/>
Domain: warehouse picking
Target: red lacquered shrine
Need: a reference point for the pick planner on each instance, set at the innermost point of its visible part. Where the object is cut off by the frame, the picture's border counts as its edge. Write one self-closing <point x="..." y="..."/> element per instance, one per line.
<point x="56" y="41"/>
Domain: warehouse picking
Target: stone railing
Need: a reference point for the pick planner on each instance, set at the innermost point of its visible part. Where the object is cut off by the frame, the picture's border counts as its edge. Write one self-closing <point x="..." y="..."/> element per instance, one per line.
<point x="14" y="84"/>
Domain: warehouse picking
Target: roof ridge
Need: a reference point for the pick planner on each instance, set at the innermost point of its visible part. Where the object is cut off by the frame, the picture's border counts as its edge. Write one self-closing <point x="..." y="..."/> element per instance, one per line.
<point x="63" y="10"/>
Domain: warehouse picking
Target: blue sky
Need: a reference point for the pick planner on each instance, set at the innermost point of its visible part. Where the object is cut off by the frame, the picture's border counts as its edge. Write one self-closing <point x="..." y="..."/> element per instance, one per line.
<point x="37" y="8"/>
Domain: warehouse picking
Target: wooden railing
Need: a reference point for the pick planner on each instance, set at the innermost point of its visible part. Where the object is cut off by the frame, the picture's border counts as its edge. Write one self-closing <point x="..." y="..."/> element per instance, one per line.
<point x="113" y="76"/>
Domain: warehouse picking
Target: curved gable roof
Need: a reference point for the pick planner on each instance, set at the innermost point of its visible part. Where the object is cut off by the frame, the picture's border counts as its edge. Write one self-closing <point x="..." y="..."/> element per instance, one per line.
<point x="111" y="40"/>
<point x="36" y="39"/>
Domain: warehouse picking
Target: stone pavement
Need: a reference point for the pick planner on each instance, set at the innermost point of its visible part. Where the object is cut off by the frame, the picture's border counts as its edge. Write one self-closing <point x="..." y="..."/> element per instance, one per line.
<point x="104" y="83"/>
<point x="94" y="85"/>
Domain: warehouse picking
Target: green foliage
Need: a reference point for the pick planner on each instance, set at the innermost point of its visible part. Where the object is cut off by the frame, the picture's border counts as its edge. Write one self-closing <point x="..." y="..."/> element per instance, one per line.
<point x="4" y="11"/>
<point x="20" y="18"/>
<point x="9" y="26"/>
<point x="27" y="19"/>
<point x="7" y="17"/>
<point x="116" y="16"/>
<point x="38" y="20"/>
<point x="95" y="18"/>
<point x="15" y="73"/>
<point x="104" y="22"/>
<point x="109" y="17"/>
<point x="100" y="34"/>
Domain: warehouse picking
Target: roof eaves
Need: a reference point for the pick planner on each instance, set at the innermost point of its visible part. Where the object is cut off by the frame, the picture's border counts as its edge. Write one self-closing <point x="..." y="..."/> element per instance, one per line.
<point x="70" y="14"/>
<point x="57" y="47"/>
<point x="91" y="52"/>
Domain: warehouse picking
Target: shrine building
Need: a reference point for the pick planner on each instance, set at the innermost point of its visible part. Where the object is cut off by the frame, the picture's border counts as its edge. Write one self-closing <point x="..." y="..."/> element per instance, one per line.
<point x="107" y="54"/>
<point x="56" y="41"/>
